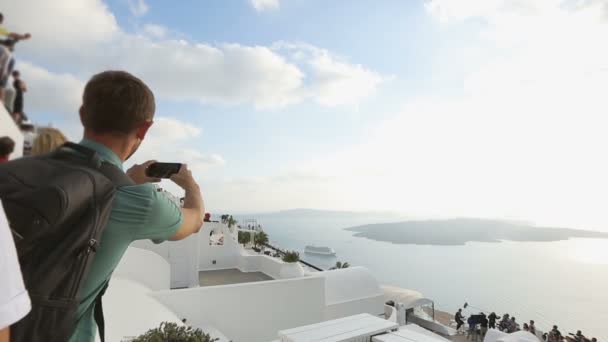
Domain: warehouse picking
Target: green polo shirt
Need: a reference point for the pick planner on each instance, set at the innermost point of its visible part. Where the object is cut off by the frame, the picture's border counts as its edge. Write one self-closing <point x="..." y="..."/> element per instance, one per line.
<point x="139" y="212"/>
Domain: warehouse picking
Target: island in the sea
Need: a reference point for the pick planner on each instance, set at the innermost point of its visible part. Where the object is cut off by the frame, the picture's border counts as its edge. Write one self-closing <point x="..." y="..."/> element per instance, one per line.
<point x="455" y="232"/>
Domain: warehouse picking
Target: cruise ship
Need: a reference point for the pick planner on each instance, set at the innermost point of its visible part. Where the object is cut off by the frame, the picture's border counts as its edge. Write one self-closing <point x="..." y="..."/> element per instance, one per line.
<point x="319" y="250"/>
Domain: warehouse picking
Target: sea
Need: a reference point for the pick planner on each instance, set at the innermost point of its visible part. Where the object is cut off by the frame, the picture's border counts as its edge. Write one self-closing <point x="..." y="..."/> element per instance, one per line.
<point x="563" y="282"/>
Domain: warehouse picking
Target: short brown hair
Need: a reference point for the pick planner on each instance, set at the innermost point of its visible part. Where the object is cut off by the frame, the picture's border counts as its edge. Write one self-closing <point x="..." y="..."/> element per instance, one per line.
<point x="116" y="102"/>
<point x="7" y="146"/>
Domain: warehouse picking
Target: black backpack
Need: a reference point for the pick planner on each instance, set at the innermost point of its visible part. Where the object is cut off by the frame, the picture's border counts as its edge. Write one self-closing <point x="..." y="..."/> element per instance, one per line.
<point x="58" y="206"/>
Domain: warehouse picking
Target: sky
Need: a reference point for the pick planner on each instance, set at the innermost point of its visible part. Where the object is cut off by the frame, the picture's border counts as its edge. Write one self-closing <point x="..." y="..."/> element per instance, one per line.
<point x="442" y="108"/>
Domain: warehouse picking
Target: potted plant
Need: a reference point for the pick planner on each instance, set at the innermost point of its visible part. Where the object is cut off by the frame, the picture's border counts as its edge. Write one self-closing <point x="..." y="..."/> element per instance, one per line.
<point x="291" y="267"/>
<point x="291" y="256"/>
<point x="168" y="331"/>
<point x="340" y="265"/>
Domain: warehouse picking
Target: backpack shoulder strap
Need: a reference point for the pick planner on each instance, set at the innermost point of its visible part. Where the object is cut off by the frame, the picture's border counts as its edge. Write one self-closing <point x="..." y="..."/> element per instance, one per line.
<point x="116" y="175"/>
<point x="98" y="313"/>
<point x="111" y="171"/>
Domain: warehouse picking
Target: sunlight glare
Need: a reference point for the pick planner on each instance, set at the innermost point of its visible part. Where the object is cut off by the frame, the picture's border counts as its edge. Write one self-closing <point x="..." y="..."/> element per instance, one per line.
<point x="590" y="251"/>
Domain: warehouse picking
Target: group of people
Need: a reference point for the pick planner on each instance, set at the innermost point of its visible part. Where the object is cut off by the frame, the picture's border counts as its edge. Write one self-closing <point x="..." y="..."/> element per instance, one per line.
<point x="474" y="322"/>
<point x="509" y="324"/>
<point x="15" y="102"/>
<point x="556" y="336"/>
<point x="116" y="113"/>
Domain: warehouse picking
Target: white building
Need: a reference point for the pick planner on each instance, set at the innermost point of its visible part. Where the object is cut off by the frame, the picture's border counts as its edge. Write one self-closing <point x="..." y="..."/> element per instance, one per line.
<point x="234" y="293"/>
<point x="246" y="296"/>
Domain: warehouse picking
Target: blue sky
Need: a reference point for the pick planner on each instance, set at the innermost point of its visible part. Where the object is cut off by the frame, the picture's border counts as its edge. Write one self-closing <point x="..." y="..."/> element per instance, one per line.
<point x="398" y="40"/>
<point x="431" y="108"/>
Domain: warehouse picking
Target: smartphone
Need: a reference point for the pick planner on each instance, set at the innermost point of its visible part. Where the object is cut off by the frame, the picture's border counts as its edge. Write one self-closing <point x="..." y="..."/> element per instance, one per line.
<point x="162" y="170"/>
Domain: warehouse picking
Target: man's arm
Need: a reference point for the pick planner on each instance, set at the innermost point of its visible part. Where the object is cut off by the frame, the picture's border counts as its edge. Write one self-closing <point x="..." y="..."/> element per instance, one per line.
<point x="194" y="207"/>
<point x="17" y="36"/>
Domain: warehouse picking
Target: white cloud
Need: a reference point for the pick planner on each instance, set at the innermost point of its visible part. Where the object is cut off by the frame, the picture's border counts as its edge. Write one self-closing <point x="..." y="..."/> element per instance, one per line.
<point x="155" y="31"/>
<point x="199" y="160"/>
<point x="524" y="139"/>
<point x="226" y="74"/>
<point x="447" y="10"/>
<point x="333" y="81"/>
<point x="138" y="7"/>
<point x="167" y="129"/>
<point x="337" y="82"/>
<point x="52" y="92"/>
<point x="172" y="138"/>
<point x="262" y="5"/>
<point x="61" y="28"/>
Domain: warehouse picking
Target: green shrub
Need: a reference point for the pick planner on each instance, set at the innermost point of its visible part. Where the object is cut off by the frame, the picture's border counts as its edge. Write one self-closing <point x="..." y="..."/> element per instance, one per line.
<point x="171" y="332"/>
<point x="291" y="256"/>
<point x="244" y="237"/>
<point x="231" y="221"/>
<point x="260" y="238"/>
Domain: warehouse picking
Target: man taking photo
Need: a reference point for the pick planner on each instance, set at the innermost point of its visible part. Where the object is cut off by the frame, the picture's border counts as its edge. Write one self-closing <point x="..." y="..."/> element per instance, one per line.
<point x="116" y="113"/>
<point x="81" y="211"/>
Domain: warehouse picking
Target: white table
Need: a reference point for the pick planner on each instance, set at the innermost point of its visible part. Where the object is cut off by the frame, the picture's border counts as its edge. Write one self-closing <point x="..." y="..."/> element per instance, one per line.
<point x="358" y="328"/>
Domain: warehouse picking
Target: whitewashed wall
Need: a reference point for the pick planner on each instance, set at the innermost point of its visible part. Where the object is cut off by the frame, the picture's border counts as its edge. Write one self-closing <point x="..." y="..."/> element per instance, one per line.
<point x="226" y="256"/>
<point x="145" y="267"/>
<point x="183" y="256"/>
<point x="351" y="291"/>
<point x="255" y="311"/>
<point x="251" y="312"/>
<point x="261" y="263"/>
<point x="373" y="306"/>
<point x="10" y="129"/>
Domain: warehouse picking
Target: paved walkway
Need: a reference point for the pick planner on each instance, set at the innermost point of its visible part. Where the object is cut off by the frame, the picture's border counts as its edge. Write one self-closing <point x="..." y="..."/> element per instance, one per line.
<point x="446" y="319"/>
<point x="229" y="276"/>
<point x="461" y="338"/>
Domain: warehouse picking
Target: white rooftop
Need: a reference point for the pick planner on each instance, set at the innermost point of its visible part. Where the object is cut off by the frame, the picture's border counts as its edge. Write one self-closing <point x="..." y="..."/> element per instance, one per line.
<point x="339" y="330"/>
<point x="409" y="298"/>
<point x="410" y="333"/>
